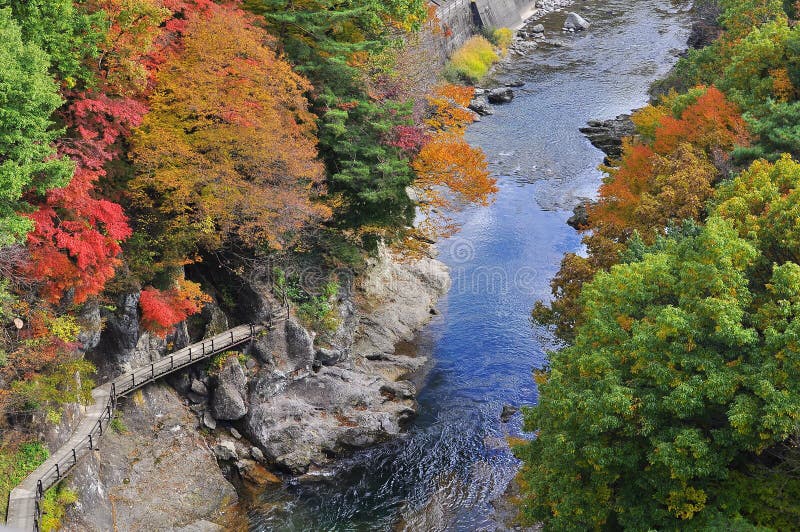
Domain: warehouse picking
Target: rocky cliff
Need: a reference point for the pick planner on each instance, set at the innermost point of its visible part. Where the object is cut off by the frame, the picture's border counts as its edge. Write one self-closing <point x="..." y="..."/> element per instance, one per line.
<point x="289" y="402"/>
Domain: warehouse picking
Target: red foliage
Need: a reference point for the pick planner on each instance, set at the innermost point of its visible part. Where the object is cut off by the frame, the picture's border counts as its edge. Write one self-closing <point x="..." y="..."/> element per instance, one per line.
<point x="163" y="309"/>
<point x="76" y="238"/>
<point x="408" y="138"/>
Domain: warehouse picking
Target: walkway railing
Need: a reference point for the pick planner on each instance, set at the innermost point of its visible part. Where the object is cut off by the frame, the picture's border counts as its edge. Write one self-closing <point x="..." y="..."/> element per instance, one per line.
<point x="25" y="501"/>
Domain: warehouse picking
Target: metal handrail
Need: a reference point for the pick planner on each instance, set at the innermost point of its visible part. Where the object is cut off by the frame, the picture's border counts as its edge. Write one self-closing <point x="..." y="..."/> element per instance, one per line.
<point x="127" y="383"/>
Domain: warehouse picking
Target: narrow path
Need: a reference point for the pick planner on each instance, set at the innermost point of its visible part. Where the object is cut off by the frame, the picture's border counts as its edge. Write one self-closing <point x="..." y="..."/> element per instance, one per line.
<point x="24" y="504"/>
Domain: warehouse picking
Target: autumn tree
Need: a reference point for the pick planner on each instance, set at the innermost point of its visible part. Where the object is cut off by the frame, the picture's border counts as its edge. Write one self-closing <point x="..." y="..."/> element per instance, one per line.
<point x="227" y="152"/>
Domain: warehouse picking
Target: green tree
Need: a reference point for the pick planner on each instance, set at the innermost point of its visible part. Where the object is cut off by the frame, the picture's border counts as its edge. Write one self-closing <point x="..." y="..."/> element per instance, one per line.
<point x="683" y="379"/>
<point x="28" y="98"/>
<point x="66" y="32"/>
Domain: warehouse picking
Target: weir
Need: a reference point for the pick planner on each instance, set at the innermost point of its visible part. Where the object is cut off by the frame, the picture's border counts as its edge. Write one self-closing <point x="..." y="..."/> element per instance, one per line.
<point x="465" y="18"/>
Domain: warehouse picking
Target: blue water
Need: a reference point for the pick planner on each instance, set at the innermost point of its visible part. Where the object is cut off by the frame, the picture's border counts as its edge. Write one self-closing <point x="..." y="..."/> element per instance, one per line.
<point x="444" y="474"/>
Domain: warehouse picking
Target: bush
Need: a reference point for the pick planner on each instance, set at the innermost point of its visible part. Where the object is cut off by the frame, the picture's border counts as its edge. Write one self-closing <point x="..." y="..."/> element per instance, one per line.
<point x="54" y="507"/>
<point x="502" y="38"/>
<point x="472" y="61"/>
<point x="15" y="465"/>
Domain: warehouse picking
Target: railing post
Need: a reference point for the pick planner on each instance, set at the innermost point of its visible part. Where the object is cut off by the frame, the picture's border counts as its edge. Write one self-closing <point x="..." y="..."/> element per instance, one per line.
<point x="58" y="471"/>
<point x="133" y="380"/>
<point x="172" y="359"/>
<point x="212" y="345"/>
<point x="113" y="390"/>
<point x="108" y="408"/>
<point x="231" y="336"/>
<point x="100" y="424"/>
<point x="91" y="444"/>
<point x="190" y="353"/>
<point x="74" y="456"/>
<point x="39" y="487"/>
<point x="153" y="370"/>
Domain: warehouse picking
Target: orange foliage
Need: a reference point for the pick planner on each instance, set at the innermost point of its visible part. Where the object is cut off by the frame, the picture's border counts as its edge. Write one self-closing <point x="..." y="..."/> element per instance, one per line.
<point x="447" y="108"/>
<point x="228" y="150"/>
<point x="710" y="122"/>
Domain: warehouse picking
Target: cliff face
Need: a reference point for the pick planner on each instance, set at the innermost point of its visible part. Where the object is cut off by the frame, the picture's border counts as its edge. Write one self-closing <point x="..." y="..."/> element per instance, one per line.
<point x="286" y="403"/>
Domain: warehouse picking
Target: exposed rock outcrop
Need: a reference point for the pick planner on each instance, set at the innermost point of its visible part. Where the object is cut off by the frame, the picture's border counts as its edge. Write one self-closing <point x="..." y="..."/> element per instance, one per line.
<point x="157" y="475"/>
<point x="607" y="135"/>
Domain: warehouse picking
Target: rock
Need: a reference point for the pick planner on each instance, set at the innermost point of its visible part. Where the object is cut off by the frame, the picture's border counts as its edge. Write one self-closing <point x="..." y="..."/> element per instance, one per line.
<point x="196" y="398"/>
<point x="227" y="403"/>
<point x="508" y="412"/>
<point x="501" y="95"/>
<point x="200" y="526"/>
<point x="209" y="421"/>
<point x="225" y="450"/>
<point x="516" y="83"/>
<point x="580" y="215"/>
<point x="539" y="28"/>
<point x="481" y="106"/>
<point x="328" y="357"/>
<point x="256" y="474"/>
<point x="160" y="464"/>
<point x="257" y="454"/>
<point x="607" y="135"/>
<point x="299" y="345"/>
<point x="235" y="433"/>
<point x="250" y="363"/>
<point x="575" y="22"/>
<point x="199" y="387"/>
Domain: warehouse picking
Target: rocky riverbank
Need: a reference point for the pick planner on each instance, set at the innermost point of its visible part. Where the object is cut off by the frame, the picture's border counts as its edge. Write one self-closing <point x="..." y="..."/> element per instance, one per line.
<point x="182" y="455"/>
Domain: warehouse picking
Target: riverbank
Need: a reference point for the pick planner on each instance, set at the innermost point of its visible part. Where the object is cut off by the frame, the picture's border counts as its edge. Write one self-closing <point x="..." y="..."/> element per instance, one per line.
<point x="454" y="461"/>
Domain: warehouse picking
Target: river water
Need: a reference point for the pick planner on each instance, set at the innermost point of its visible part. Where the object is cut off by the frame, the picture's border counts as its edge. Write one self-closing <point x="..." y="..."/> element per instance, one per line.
<point x="453" y="462"/>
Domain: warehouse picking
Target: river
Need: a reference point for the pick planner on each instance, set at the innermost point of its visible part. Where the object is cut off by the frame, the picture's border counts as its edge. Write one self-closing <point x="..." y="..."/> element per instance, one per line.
<point x="453" y="462"/>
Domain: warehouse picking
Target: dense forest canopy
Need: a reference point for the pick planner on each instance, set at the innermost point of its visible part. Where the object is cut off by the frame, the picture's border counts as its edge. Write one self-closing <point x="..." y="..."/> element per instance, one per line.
<point x="675" y="402"/>
<point x="138" y="137"/>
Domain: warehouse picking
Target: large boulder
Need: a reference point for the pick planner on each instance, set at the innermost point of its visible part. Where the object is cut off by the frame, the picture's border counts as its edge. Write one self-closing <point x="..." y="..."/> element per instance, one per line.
<point x="576" y="22"/>
<point x="228" y="401"/>
<point x="481" y="106"/>
<point x="500" y="96"/>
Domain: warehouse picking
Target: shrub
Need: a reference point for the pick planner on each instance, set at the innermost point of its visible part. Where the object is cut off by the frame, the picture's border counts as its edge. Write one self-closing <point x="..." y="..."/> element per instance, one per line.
<point x="15" y="465"/>
<point x="472" y="61"/>
<point x="54" y="507"/>
<point x="502" y="38"/>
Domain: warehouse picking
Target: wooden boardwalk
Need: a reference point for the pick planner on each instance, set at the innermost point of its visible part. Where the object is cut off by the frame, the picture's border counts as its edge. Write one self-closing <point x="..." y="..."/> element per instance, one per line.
<point x="24" y="502"/>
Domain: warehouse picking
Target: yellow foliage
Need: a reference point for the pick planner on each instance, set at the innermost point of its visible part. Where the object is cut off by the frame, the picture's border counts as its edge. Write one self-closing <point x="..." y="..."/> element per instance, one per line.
<point x="473" y="59"/>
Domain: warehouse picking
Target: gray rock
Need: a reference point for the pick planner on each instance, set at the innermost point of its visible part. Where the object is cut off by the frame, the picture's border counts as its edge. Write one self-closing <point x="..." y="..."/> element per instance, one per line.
<point x="299" y="345"/>
<point x="516" y="83"/>
<point x="227" y="403"/>
<point x="607" y="135"/>
<point x="501" y="95"/>
<point x="161" y="464"/>
<point x="209" y="421"/>
<point x="196" y="398"/>
<point x="481" y="106"/>
<point x="236" y="434"/>
<point x="580" y="215"/>
<point x="257" y="454"/>
<point x="233" y="375"/>
<point x="508" y="412"/>
<point x="575" y="22"/>
<point x="539" y="28"/>
<point x="225" y="450"/>
<point x="199" y="387"/>
<point x="329" y="357"/>
<point x="250" y="363"/>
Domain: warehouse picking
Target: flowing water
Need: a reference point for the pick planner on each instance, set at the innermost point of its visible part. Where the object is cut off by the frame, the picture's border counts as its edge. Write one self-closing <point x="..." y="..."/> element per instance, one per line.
<point x="453" y="462"/>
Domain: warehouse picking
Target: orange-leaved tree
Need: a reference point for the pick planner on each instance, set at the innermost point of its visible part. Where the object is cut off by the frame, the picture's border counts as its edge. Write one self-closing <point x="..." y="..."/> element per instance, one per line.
<point x="227" y="152"/>
<point x="449" y="171"/>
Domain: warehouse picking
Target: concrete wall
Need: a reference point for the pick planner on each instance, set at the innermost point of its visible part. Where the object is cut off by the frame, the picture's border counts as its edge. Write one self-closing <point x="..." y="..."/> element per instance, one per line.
<point x="464" y="18"/>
